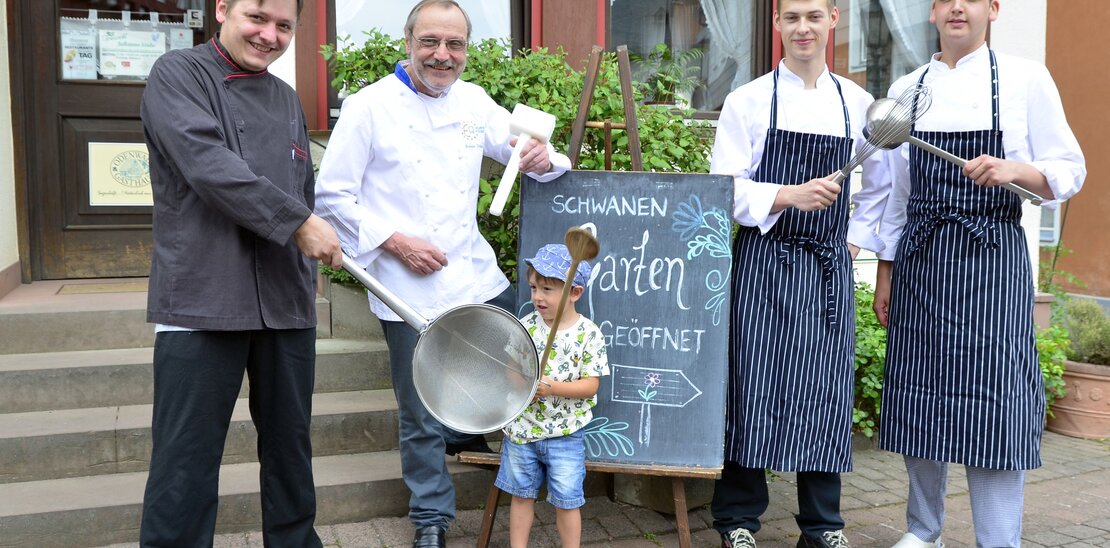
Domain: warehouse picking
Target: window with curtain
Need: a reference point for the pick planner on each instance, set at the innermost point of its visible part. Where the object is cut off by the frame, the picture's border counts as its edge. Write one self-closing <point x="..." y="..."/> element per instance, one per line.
<point x="721" y="29"/>
<point x="489" y="18"/>
<point x="879" y="41"/>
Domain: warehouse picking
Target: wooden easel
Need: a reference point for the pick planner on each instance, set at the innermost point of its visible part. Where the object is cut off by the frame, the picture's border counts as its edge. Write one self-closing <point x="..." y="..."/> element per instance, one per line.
<point x="578" y="128"/>
<point x="676" y="473"/>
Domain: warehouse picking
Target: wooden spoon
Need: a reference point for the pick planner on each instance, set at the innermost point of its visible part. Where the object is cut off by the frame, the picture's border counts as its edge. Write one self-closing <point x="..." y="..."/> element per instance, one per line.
<point x="582" y="246"/>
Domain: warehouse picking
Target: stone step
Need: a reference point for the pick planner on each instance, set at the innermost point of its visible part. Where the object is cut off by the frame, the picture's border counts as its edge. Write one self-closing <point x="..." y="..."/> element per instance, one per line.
<point x="30" y="332"/>
<point x="45" y="317"/>
<point x="98" y="378"/>
<point x="107" y="440"/>
<point x="102" y="510"/>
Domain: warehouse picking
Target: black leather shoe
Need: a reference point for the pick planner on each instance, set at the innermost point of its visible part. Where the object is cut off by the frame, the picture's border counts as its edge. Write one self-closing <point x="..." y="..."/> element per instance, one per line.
<point x="432" y="536"/>
<point x="477" y="444"/>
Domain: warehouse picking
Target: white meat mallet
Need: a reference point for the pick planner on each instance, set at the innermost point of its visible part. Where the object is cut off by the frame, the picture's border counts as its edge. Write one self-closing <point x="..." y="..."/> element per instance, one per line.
<point x="524" y="123"/>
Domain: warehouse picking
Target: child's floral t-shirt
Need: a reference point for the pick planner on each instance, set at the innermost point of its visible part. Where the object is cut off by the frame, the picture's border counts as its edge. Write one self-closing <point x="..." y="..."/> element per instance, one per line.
<point x="578" y="352"/>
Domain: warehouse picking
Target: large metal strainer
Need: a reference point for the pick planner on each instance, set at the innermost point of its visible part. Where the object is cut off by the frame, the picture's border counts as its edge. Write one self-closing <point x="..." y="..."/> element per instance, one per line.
<point x="475" y="367"/>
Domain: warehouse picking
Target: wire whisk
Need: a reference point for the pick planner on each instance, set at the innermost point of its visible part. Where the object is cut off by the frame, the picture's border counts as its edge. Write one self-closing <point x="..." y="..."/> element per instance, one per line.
<point x="888" y="120"/>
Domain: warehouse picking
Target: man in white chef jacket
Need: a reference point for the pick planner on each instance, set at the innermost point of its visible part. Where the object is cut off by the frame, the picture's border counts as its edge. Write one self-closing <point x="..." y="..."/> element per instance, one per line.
<point x="954" y="287"/>
<point x="399" y="181"/>
<point x="782" y="137"/>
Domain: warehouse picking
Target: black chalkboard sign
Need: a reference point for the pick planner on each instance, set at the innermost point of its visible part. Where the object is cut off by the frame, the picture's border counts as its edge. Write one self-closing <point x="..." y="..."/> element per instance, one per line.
<point x="660" y="293"/>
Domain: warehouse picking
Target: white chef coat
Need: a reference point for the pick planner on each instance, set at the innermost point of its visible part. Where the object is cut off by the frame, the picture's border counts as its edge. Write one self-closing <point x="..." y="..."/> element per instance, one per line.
<point x="742" y="131"/>
<point x="401" y="161"/>
<point x="1031" y="116"/>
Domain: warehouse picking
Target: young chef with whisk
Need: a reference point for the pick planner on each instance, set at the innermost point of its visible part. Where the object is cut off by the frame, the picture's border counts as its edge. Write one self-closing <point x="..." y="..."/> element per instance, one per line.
<point x="955" y="288"/>
<point x="783" y="137"/>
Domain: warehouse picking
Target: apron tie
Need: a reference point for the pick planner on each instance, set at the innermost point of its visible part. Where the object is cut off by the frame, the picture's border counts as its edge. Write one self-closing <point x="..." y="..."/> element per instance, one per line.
<point x="983" y="230"/>
<point x="827" y="256"/>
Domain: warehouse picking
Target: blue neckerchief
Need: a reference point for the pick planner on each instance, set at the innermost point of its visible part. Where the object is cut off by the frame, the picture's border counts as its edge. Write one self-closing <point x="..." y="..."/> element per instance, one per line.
<point x="403" y="75"/>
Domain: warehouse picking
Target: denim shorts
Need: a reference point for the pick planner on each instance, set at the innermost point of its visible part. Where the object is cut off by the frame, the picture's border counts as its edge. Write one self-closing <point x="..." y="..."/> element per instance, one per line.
<point x="562" y="461"/>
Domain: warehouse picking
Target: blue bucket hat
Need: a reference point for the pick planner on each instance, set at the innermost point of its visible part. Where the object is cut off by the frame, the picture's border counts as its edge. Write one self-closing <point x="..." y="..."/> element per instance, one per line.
<point x="553" y="261"/>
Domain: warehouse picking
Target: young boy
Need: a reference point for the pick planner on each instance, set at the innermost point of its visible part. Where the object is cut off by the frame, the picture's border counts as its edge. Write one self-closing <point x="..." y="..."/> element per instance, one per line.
<point x="546" y="440"/>
<point x="789" y="403"/>
<point x="955" y="287"/>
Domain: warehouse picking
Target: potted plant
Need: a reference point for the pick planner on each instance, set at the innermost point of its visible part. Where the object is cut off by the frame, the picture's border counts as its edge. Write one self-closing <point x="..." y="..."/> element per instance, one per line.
<point x="668" y="77"/>
<point x="1085" y="411"/>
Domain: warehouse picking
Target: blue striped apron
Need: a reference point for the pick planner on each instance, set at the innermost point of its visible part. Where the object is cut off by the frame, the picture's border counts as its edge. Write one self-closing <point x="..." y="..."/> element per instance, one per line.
<point x="963" y="384"/>
<point x="789" y="399"/>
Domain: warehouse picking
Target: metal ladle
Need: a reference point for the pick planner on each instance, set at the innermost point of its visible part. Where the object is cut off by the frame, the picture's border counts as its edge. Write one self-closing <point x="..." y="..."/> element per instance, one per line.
<point x="890" y="134"/>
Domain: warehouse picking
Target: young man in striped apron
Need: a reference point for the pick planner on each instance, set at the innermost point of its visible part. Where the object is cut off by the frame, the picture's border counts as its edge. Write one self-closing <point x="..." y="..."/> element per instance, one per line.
<point x="789" y="402"/>
<point x="963" y="384"/>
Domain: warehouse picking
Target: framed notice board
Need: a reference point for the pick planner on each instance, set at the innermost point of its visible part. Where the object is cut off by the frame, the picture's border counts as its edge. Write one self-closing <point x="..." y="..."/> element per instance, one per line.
<point x="660" y="292"/>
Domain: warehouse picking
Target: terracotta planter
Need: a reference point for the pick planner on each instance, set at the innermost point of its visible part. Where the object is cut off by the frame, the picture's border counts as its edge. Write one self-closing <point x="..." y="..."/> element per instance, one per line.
<point x="1085" y="411"/>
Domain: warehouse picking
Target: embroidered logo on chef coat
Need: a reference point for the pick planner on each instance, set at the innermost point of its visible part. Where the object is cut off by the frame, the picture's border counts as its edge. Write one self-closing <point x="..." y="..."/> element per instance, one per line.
<point x="473" y="134"/>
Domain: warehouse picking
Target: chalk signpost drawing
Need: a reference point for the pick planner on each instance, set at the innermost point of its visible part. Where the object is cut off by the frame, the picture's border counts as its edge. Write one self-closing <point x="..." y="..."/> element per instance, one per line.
<point x="650" y="387"/>
<point x="660" y="293"/>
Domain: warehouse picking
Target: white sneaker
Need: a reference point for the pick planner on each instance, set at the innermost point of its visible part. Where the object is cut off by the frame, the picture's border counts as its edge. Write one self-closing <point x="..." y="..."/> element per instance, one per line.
<point x="910" y="540"/>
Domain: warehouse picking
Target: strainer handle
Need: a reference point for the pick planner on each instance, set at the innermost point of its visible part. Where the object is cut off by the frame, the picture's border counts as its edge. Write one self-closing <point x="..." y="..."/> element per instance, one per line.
<point x="394" y="303"/>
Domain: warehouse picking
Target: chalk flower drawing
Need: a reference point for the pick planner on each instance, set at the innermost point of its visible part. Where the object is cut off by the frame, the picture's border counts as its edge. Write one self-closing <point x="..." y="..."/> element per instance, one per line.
<point x="690" y="220"/>
<point x="651" y="380"/>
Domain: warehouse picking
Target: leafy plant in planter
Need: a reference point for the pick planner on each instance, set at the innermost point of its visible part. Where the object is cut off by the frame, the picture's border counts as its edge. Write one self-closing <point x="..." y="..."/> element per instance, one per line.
<point x="1082" y="412"/>
<point x="1089" y="327"/>
<point x="668" y="76"/>
<point x="1052" y="348"/>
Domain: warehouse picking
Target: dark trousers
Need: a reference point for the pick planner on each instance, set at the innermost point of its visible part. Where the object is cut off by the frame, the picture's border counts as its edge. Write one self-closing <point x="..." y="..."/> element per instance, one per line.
<point x="423" y="438"/>
<point x="740" y="498"/>
<point x="197" y="378"/>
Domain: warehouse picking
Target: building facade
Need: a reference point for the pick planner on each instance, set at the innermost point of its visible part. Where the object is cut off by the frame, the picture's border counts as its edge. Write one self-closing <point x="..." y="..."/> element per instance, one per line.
<point x="74" y="80"/>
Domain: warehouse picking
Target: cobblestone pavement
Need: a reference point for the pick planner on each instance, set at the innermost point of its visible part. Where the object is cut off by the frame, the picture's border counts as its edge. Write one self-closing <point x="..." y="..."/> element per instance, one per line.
<point x="1067" y="503"/>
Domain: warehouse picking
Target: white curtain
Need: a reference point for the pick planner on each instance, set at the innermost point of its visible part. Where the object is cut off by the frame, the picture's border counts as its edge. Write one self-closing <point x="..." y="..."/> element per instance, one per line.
<point x="913" y="35"/>
<point x="730" y="26"/>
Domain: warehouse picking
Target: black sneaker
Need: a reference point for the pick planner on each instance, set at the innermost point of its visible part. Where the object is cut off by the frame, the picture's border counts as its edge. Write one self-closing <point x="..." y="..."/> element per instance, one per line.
<point x="738" y="538"/>
<point x="828" y="539"/>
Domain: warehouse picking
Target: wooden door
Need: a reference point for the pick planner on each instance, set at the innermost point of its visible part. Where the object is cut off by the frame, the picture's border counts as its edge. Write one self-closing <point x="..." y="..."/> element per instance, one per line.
<point x="83" y="188"/>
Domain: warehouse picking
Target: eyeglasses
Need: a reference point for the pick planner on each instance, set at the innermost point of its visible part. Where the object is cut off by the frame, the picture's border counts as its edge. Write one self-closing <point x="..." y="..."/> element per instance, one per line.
<point x="433" y="43"/>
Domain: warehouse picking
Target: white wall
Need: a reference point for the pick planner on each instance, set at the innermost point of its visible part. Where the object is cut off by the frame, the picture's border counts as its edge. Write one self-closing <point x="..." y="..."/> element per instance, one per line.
<point x="286" y="66"/>
<point x="1020" y="31"/>
<point x="9" y="246"/>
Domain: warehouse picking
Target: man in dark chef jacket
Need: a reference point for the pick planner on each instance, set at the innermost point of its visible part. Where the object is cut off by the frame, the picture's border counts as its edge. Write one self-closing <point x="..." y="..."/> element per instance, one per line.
<point x="955" y="286"/>
<point x="791" y="350"/>
<point x="232" y="280"/>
